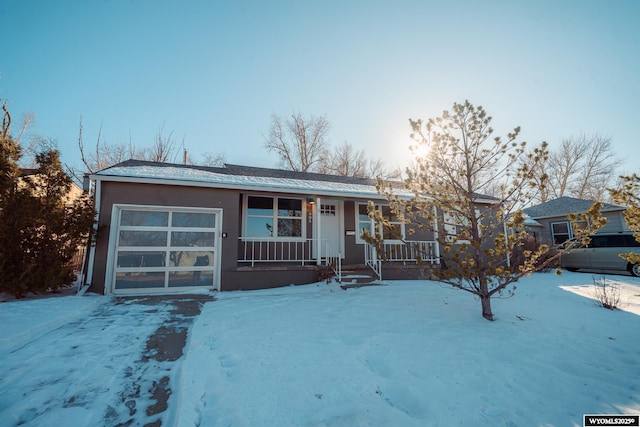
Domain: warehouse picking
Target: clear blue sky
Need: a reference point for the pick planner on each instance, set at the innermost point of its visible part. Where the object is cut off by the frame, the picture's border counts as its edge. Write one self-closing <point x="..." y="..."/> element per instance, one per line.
<point x="213" y="72"/>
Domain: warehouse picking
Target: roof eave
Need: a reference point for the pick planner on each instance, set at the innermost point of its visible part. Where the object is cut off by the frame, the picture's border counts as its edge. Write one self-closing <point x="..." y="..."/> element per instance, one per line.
<point x="228" y="186"/>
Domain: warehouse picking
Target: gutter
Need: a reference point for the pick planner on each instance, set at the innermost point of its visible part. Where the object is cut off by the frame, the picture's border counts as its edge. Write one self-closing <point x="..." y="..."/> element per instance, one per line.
<point x="242" y="187"/>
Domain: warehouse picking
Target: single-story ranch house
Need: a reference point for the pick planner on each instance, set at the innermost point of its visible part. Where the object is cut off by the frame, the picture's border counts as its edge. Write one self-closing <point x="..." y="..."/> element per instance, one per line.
<point x="171" y="227"/>
<point x="548" y="221"/>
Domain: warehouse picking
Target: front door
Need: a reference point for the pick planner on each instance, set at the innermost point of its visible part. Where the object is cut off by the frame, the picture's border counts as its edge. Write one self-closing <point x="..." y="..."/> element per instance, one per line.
<point x="331" y="225"/>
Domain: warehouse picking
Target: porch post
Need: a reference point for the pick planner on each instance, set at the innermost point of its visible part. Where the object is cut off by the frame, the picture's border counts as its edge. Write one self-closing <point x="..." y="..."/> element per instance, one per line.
<point x="316" y="218"/>
<point x="435" y="236"/>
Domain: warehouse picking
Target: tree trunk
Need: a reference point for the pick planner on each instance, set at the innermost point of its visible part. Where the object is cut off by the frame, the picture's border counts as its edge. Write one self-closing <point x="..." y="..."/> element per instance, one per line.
<point x="485" y="296"/>
<point x="486" y="307"/>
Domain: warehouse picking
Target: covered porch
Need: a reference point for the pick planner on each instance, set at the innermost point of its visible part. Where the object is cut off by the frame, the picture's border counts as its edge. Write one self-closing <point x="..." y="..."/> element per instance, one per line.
<point x="268" y="252"/>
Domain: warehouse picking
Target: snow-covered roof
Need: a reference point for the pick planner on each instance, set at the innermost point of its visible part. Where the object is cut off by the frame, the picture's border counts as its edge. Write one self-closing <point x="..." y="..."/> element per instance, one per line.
<point x="530" y="222"/>
<point x="240" y="177"/>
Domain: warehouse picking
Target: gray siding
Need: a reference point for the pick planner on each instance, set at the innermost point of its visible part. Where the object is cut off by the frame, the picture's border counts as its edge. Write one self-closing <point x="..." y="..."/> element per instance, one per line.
<point x="615" y="223"/>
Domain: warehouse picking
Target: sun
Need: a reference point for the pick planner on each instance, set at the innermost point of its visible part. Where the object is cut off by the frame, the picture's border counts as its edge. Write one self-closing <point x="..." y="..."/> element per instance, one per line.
<point x="419" y="150"/>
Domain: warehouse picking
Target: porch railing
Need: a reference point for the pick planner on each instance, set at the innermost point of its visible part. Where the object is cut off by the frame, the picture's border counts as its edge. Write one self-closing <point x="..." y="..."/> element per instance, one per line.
<point x="372" y="259"/>
<point x="303" y="251"/>
<point x="408" y="251"/>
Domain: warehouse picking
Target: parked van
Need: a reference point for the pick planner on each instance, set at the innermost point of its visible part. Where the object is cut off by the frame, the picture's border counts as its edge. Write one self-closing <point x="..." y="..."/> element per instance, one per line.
<point x="603" y="253"/>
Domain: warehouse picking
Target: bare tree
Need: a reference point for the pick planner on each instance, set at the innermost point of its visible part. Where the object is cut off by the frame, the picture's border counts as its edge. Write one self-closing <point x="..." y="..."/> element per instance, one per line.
<point x="598" y="170"/>
<point x="164" y="149"/>
<point x="27" y="120"/>
<point x="345" y="161"/>
<point x="583" y="167"/>
<point x="213" y="159"/>
<point x="300" y="142"/>
<point x="104" y="155"/>
<point x="377" y="169"/>
<point x="36" y="143"/>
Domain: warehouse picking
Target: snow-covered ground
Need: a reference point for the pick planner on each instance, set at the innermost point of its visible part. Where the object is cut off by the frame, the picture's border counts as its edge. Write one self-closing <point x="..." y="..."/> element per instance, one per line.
<point x="409" y="353"/>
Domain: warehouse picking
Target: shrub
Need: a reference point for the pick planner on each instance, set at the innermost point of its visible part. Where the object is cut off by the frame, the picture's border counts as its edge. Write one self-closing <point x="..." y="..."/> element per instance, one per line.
<point x="606" y="294"/>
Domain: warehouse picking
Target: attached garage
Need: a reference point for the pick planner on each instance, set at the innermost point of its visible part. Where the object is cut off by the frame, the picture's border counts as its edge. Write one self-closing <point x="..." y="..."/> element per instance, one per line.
<point x="161" y="249"/>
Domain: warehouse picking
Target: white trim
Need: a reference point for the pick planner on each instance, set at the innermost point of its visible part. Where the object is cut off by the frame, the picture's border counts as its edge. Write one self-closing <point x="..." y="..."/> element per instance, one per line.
<point x="318" y="227"/>
<point x="340" y="214"/>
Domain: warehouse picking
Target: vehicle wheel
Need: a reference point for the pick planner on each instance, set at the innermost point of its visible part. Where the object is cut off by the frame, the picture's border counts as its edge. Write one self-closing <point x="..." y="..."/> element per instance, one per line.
<point x="571" y="269"/>
<point x="635" y="269"/>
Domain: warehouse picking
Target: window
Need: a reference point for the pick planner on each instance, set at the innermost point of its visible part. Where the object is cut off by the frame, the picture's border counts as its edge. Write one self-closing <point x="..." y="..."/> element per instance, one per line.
<point x="395" y="231"/>
<point x="560" y="232"/>
<point x="273" y="217"/>
<point x="454" y="225"/>
<point x="630" y="241"/>
<point x="363" y="222"/>
<point x="328" y="210"/>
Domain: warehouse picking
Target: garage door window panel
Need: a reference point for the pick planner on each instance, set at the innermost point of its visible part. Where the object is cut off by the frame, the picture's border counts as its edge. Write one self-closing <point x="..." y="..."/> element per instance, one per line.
<point x="193" y="220"/>
<point x="190" y="278"/>
<point x="136" y="218"/>
<point x="140" y="280"/>
<point x="141" y="259"/>
<point x="191" y="238"/>
<point x="142" y="238"/>
<point x="191" y="259"/>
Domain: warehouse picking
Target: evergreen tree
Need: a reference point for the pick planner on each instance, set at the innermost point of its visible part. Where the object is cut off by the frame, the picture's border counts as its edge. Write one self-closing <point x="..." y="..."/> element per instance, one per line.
<point x="15" y="209"/>
<point x="629" y="195"/>
<point x="59" y="226"/>
<point x="40" y="227"/>
<point x="9" y="156"/>
<point x="16" y="215"/>
<point x="462" y="160"/>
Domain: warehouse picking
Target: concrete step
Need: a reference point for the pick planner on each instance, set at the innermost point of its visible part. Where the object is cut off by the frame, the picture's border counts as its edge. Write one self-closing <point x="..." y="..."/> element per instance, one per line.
<point x="357" y="277"/>
<point x="352" y="280"/>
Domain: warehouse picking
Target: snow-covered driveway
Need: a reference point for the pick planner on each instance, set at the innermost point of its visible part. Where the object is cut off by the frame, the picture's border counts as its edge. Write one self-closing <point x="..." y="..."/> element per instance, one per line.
<point x="112" y="367"/>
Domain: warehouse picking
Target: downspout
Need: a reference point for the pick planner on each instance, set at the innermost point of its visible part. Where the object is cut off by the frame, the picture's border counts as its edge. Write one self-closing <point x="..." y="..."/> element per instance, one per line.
<point x="92" y="247"/>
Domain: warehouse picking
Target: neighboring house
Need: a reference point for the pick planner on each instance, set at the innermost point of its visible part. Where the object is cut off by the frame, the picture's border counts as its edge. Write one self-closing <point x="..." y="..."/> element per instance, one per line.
<point x="548" y="221"/>
<point x="74" y="191"/>
<point x="169" y="227"/>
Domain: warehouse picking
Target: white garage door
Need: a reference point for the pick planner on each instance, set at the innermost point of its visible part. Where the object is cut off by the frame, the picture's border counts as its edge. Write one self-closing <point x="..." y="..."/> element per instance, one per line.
<point x="159" y="249"/>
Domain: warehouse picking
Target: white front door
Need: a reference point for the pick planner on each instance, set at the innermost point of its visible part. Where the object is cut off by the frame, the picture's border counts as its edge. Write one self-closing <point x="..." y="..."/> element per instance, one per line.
<point x="331" y="225"/>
